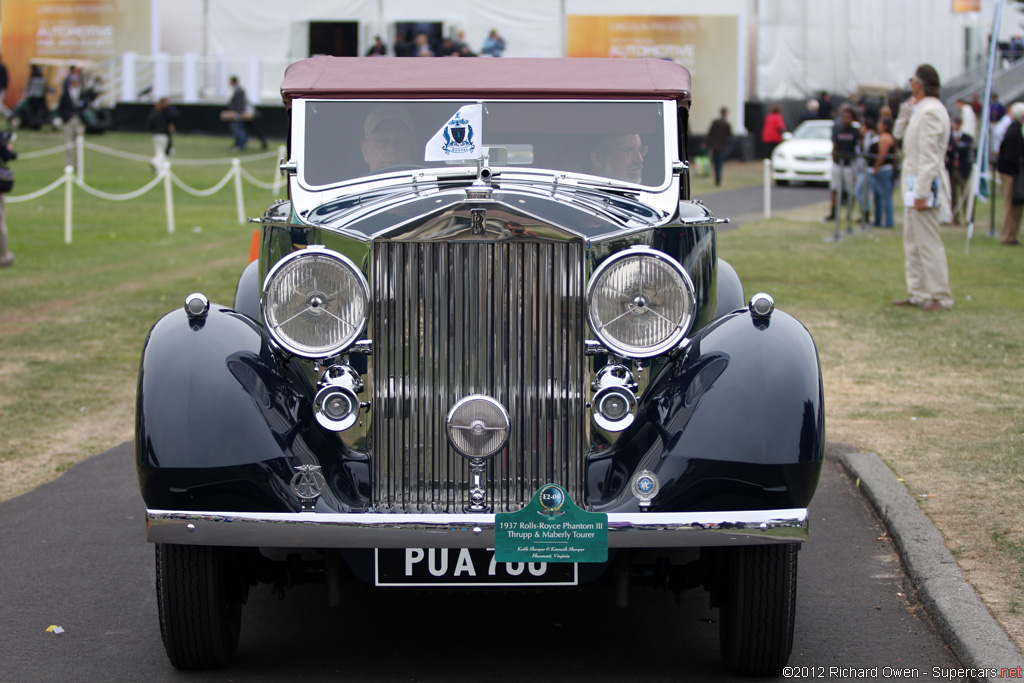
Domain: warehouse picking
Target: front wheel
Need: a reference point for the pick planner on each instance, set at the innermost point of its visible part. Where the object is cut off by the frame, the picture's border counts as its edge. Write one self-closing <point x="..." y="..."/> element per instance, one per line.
<point x="199" y="593"/>
<point x="758" y="605"/>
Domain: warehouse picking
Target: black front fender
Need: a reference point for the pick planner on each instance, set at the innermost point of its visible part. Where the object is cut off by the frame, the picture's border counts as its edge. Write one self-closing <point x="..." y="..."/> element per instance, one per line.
<point x="737" y="422"/>
<point x="223" y="422"/>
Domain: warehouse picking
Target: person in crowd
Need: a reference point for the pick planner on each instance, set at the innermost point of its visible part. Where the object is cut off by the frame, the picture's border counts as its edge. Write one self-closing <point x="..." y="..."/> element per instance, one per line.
<point x="378" y="49"/>
<point x="996" y="109"/>
<point x="620" y="157"/>
<point x="388" y="138"/>
<point x="969" y="122"/>
<point x="976" y="105"/>
<point x="844" y="154"/>
<point x="461" y="46"/>
<point x="494" y="44"/>
<point x="718" y="141"/>
<point x="403" y="46"/>
<point x="810" y="112"/>
<point x="70" y="111"/>
<point x="772" y="130"/>
<point x="448" y="48"/>
<point x="1010" y="164"/>
<point x="996" y="133"/>
<point x="238" y="106"/>
<point x="924" y="127"/>
<point x="959" y="159"/>
<point x="885" y="155"/>
<point x="1016" y="48"/>
<point x="7" y="154"/>
<point x="421" y="46"/>
<point x="825" y="111"/>
<point x="864" y="187"/>
<point x="35" y="112"/>
<point x="161" y="122"/>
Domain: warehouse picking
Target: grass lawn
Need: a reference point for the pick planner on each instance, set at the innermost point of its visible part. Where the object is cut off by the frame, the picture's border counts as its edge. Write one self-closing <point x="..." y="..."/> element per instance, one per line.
<point x="74" y="317"/>
<point x="938" y="396"/>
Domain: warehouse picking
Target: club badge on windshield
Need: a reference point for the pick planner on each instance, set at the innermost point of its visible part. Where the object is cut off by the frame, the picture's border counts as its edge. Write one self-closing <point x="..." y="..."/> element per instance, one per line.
<point x="459" y="137"/>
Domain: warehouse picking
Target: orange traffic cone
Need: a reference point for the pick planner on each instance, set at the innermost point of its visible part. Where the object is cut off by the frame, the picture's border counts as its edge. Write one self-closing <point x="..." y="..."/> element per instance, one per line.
<point x="254" y="246"/>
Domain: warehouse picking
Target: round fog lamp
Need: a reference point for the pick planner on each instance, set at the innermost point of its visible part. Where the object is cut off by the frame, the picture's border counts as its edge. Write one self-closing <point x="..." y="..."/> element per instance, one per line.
<point x="613" y="408"/>
<point x="478" y="426"/>
<point x="337" y="408"/>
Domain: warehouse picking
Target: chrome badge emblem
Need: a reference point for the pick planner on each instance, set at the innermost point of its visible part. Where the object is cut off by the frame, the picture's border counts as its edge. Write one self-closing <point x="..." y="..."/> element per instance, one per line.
<point x="308" y="483"/>
<point x="646" y="487"/>
<point x="551" y="498"/>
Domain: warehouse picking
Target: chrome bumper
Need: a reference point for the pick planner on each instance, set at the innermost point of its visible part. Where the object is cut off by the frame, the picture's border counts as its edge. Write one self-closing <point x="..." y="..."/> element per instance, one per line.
<point x="372" y="530"/>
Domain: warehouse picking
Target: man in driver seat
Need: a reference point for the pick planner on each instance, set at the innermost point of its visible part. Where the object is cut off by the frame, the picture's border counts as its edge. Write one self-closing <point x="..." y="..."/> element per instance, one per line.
<point x="388" y="138"/>
<point x="620" y="157"/>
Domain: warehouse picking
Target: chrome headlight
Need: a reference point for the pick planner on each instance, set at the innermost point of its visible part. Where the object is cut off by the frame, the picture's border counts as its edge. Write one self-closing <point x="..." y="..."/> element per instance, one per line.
<point x="315" y="303"/>
<point x="640" y="303"/>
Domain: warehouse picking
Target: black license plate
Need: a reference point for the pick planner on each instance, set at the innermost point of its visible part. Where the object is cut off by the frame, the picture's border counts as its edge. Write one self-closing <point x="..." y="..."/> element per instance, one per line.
<point x="463" y="567"/>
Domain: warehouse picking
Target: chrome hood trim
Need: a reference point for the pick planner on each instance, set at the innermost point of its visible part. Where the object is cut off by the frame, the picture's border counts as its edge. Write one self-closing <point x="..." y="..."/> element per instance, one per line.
<point x="368" y="530"/>
<point x="411" y="204"/>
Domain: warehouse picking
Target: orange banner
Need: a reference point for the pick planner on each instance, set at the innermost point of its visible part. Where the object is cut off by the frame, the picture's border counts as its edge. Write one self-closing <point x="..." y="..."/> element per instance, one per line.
<point x="706" y="45"/>
<point x="55" y="34"/>
<point x="966" y="5"/>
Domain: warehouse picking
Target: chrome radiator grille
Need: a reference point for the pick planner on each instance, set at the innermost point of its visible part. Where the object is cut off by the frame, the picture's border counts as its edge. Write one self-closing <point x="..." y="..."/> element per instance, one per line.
<point x="453" y="319"/>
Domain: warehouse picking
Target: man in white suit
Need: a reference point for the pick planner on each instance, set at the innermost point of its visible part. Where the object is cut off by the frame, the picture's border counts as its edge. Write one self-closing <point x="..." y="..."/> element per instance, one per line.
<point x="923" y="125"/>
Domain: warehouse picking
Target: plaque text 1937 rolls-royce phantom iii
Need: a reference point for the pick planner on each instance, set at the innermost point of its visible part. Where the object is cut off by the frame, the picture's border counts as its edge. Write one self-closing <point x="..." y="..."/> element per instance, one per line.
<point x="488" y="342"/>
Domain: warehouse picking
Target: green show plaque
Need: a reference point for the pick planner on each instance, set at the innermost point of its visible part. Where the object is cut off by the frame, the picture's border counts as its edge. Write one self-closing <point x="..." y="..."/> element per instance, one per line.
<point x="551" y="528"/>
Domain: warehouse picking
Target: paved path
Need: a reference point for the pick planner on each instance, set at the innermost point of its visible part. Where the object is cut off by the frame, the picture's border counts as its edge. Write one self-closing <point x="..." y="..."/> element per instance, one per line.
<point x="746" y="204"/>
<point x="74" y="555"/>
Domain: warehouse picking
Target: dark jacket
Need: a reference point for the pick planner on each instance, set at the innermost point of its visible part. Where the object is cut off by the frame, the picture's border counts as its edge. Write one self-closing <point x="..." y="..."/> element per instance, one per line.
<point x="1011" y="151"/>
<point x="68" y="105"/>
<point x="718" y="137"/>
<point x="959" y="155"/>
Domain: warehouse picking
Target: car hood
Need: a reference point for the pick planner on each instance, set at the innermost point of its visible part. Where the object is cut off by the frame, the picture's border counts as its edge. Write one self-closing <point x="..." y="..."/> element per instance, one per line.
<point x="804" y="147"/>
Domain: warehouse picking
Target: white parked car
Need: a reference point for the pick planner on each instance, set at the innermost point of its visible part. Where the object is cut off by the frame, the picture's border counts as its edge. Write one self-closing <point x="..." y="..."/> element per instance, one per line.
<point x="805" y="155"/>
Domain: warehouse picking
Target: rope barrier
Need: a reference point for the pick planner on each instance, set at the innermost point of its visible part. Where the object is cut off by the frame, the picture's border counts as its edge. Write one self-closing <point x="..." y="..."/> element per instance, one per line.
<point x="121" y="197"/>
<point x="110" y="151"/>
<point x="258" y="183"/>
<point x="164" y="175"/>
<point x="202" y="193"/>
<point x="37" y="194"/>
<point x="132" y="156"/>
<point x="43" y="152"/>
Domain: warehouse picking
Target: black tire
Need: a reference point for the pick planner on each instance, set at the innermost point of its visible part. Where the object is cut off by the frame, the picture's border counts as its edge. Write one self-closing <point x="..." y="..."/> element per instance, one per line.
<point x="758" y="608"/>
<point x="199" y="595"/>
<point x="782" y="183"/>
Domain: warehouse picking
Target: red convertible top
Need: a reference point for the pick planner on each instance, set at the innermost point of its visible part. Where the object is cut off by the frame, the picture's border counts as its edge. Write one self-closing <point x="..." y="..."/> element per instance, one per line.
<point x="490" y="78"/>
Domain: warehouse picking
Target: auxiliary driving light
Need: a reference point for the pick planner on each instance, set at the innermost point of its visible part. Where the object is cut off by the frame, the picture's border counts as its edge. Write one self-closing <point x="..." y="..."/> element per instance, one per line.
<point x="337" y="408"/>
<point x="478" y="426"/>
<point x="613" y="408"/>
<point x="336" y="404"/>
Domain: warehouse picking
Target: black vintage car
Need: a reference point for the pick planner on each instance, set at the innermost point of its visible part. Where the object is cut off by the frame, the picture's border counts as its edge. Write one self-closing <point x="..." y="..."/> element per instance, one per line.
<point x="488" y="342"/>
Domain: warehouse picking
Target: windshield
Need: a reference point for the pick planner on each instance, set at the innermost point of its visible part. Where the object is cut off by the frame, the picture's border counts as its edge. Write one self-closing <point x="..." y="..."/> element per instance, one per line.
<point x="622" y="141"/>
<point x="817" y="131"/>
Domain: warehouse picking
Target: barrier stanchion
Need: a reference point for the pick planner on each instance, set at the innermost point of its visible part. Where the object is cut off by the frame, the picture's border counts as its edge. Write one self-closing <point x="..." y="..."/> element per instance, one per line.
<point x="767" y="188"/>
<point x="80" y="156"/>
<point x="165" y="170"/>
<point x="276" y="182"/>
<point x="69" y="174"/>
<point x="236" y="168"/>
